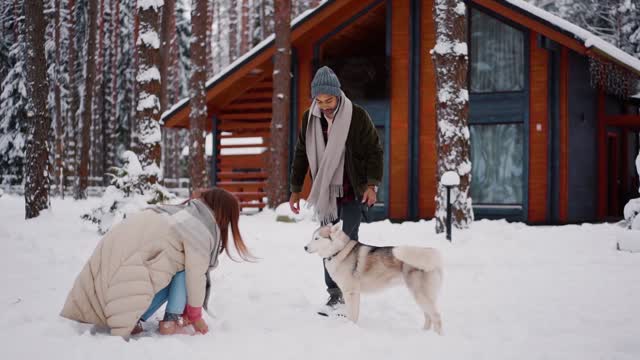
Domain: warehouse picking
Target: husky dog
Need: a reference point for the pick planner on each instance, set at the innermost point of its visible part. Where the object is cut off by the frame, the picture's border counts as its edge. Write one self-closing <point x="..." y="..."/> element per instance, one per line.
<point x="360" y="268"/>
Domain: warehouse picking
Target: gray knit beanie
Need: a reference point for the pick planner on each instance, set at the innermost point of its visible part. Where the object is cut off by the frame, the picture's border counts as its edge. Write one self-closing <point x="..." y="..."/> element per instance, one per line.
<point x="325" y="82"/>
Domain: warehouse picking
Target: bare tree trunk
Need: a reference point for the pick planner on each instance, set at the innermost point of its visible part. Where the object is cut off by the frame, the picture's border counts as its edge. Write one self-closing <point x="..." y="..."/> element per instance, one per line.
<point x="36" y="188"/>
<point x="71" y="136"/>
<point x="277" y="183"/>
<point x="211" y="11"/>
<point x="166" y="35"/>
<point x="245" y="40"/>
<point x="452" y="109"/>
<point x="110" y="123"/>
<point x="233" y="30"/>
<point x="60" y="127"/>
<point x="148" y="134"/>
<point x="97" y="143"/>
<point x="198" y="115"/>
<point x="83" y="172"/>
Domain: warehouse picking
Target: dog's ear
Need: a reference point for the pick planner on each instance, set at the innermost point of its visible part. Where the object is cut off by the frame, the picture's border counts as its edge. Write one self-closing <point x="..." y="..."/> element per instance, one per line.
<point x="324" y="231"/>
<point x="337" y="227"/>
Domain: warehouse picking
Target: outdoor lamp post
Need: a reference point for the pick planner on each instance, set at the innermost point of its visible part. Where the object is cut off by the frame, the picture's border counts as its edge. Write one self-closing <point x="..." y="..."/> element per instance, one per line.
<point x="449" y="180"/>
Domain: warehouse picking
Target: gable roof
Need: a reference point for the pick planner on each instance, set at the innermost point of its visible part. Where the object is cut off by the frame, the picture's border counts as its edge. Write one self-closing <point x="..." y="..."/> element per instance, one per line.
<point x="519" y="11"/>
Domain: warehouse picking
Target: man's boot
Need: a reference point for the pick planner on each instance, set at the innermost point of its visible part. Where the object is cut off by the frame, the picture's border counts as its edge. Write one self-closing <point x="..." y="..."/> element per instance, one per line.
<point x="335" y="304"/>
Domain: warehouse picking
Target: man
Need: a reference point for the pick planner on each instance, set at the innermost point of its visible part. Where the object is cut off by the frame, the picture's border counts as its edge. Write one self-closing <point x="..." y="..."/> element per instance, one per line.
<point x="339" y="144"/>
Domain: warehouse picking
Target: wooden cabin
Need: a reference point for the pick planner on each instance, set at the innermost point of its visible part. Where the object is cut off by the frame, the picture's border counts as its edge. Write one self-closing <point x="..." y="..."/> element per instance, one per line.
<point x="547" y="146"/>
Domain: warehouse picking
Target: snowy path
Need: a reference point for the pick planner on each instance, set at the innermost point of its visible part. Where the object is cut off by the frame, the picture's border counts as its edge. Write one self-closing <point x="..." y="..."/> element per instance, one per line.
<point x="510" y="292"/>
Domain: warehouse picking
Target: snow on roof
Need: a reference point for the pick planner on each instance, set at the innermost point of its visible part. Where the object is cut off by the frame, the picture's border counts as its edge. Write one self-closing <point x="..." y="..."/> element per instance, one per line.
<point x="589" y="39"/>
<point x="256" y="49"/>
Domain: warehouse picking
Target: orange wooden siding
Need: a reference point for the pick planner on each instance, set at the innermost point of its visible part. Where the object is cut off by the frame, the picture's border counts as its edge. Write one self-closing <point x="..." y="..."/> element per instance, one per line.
<point x="428" y="156"/>
<point x="538" y="132"/>
<point x="564" y="136"/>
<point x="247" y="116"/>
<point x="399" y="139"/>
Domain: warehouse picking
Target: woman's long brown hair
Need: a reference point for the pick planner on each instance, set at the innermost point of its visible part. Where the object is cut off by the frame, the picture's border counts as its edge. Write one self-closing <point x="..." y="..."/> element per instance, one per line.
<point x="226" y="210"/>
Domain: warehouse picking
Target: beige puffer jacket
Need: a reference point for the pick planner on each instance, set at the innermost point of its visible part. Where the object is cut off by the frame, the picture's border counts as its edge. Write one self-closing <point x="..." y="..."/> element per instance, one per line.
<point x="133" y="261"/>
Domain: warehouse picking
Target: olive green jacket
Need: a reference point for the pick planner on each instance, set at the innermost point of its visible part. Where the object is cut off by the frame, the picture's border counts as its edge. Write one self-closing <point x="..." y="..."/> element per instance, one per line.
<point x="363" y="154"/>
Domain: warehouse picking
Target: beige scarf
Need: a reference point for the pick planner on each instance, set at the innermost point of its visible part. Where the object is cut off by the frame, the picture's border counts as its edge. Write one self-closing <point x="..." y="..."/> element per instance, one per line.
<point x="326" y="162"/>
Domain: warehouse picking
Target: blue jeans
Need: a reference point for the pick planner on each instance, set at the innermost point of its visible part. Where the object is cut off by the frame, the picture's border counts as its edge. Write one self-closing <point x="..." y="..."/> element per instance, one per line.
<point x="175" y="295"/>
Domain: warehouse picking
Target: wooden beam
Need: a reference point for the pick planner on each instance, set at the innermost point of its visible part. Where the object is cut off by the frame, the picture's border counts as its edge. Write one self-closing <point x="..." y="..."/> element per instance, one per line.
<point x="399" y="146"/>
<point x="232" y="175"/>
<point x="245" y="116"/>
<point x="602" y="156"/>
<point x="248" y="106"/>
<point x="428" y="158"/>
<point x="563" y="205"/>
<point x="538" y="131"/>
<point x="628" y="121"/>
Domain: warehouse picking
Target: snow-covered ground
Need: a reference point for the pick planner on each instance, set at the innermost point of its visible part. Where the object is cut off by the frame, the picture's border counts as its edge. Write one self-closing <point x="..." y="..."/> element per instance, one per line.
<point x="510" y="292"/>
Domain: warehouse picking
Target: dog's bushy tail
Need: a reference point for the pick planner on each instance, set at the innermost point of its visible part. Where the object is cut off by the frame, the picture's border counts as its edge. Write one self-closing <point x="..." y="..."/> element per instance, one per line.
<point x="427" y="259"/>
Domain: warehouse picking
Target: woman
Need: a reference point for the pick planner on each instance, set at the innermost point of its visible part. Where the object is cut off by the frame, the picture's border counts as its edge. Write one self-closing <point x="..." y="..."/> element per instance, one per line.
<point x="163" y="253"/>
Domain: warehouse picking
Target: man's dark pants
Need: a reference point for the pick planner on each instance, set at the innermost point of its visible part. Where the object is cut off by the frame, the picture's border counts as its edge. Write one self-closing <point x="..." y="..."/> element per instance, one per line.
<point x="350" y="212"/>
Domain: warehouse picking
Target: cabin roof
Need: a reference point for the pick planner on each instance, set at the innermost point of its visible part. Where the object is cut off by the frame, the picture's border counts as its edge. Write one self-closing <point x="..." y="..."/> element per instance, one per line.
<point x="519" y="11"/>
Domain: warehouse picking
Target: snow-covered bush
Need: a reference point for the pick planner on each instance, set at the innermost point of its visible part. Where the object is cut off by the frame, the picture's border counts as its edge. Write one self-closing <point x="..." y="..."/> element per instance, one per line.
<point x="631" y="214"/>
<point x="128" y="193"/>
<point x="632" y="209"/>
<point x="284" y="213"/>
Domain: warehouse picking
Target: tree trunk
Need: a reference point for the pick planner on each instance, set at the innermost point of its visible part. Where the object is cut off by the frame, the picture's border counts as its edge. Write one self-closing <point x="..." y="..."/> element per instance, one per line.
<point x="167" y="54"/>
<point x="97" y="117"/>
<point x="166" y="35"/>
<point x="245" y="42"/>
<point x="60" y="133"/>
<point x="110" y="122"/>
<point x="198" y="114"/>
<point x="83" y="172"/>
<point x="277" y="183"/>
<point x="71" y="135"/>
<point x="211" y="15"/>
<point x="36" y="188"/>
<point x="233" y="30"/>
<point x="148" y="134"/>
<point x="451" y="63"/>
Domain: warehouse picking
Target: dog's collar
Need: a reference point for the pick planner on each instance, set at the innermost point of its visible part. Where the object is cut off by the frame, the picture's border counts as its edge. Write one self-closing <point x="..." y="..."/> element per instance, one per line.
<point x="332" y="256"/>
<point x="350" y="245"/>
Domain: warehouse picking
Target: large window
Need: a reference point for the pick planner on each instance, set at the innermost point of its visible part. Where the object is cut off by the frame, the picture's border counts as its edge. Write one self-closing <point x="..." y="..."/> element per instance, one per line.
<point x="497" y="55"/>
<point x="496" y="155"/>
<point x="498" y="108"/>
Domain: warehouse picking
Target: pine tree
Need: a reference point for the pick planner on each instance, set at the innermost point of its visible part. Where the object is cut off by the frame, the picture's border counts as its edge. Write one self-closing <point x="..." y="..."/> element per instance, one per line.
<point x="234" y="44"/>
<point x="277" y="189"/>
<point x="147" y="135"/>
<point x="198" y="114"/>
<point x="13" y="99"/>
<point x="36" y="188"/>
<point x="87" y="104"/>
<point x="126" y="60"/>
<point x="71" y="21"/>
<point x="56" y="80"/>
<point x="452" y="108"/>
<point x="98" y="105"/>
<point x="109" y="88"/>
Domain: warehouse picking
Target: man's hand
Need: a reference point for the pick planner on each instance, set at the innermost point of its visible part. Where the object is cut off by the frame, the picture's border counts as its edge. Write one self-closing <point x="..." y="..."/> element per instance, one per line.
<point x="294" y="202"/>
<point x="369" y="196"/>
